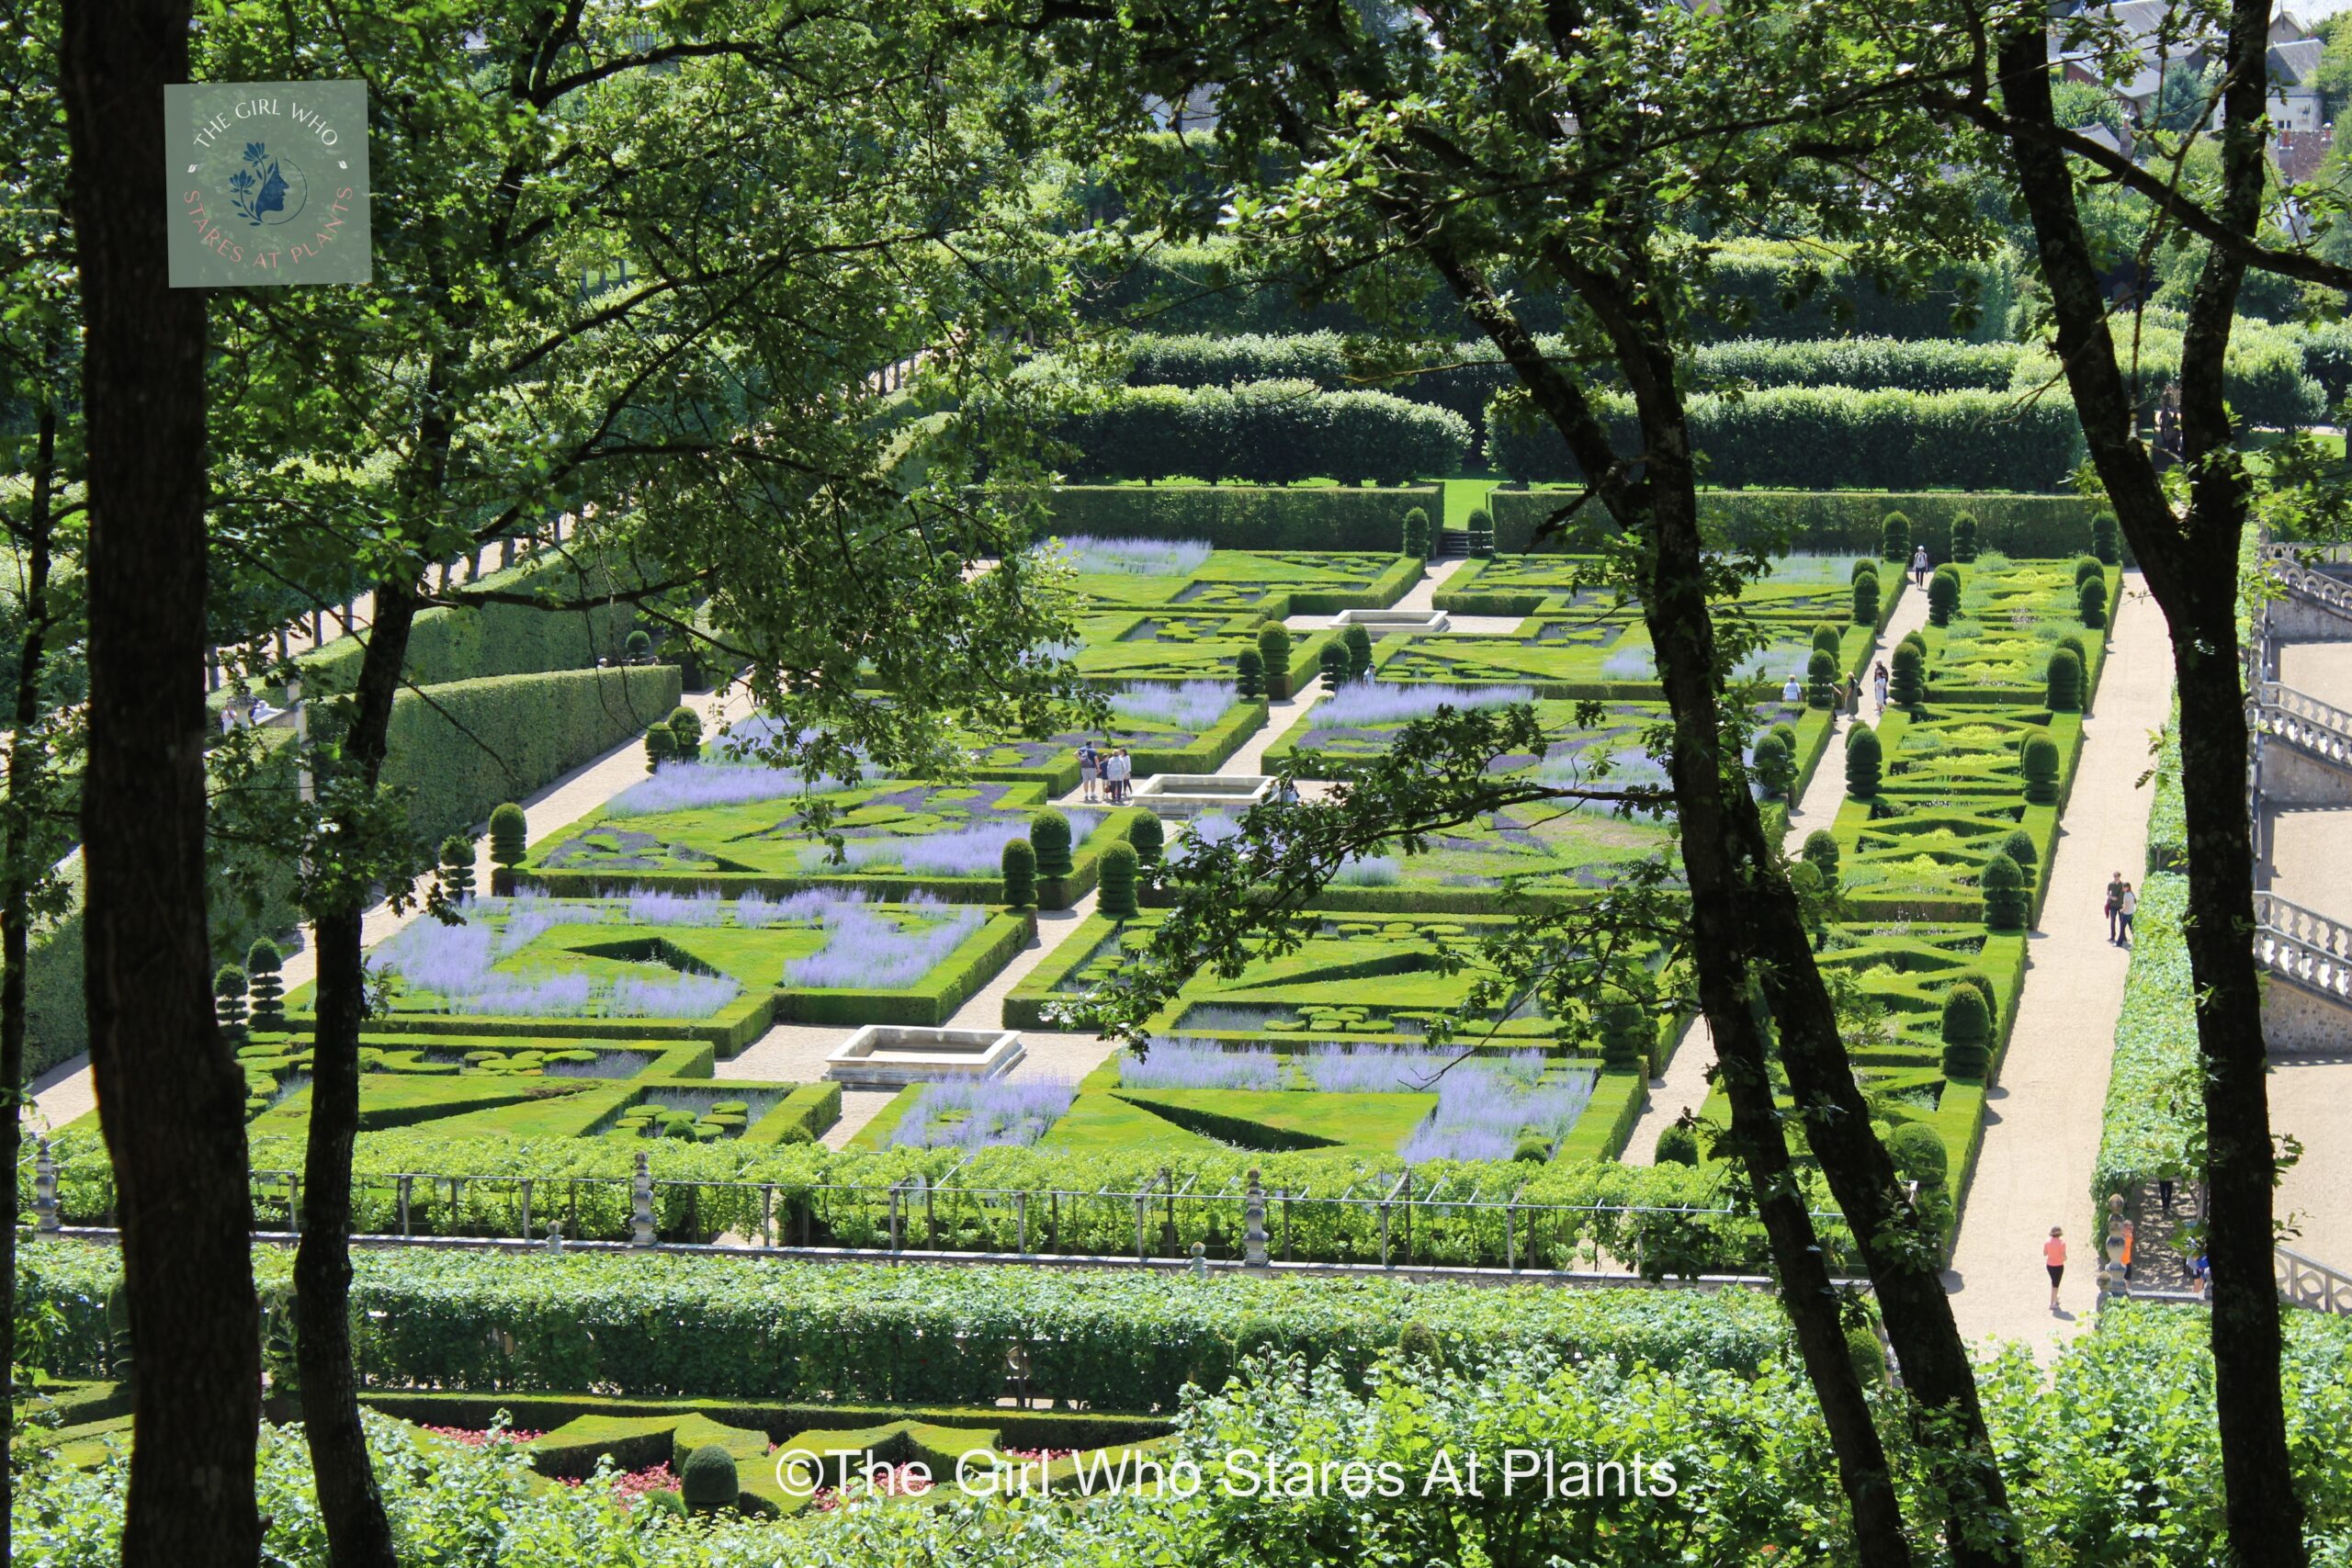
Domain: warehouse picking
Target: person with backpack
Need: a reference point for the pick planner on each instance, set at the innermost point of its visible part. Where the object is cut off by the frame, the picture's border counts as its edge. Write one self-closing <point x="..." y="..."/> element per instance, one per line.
<point x="1089" y="766"/>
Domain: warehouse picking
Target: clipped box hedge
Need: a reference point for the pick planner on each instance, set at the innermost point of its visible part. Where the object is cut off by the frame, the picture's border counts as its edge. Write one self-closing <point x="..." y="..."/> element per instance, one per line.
<point x="752" y="1329"/>
<point x="1245" y="517"/>
<point x="1264" y="432"/>
<point x="2024" y="527"/>
<point x="1827" y="438"/>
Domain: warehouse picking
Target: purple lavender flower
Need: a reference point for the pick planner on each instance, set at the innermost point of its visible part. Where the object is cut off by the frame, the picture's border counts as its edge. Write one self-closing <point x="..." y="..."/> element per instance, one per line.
<point x="1369" y="701"/>
<point x="1193" y="704"/>
<point x="982" y="1113"/>
<point x="868" y="952"/>
<point x="1182" y="1062"/>
<point x="1092" y="556"/>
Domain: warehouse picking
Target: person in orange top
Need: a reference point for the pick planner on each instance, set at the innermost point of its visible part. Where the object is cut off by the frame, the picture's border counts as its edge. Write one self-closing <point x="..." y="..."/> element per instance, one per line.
<point x="2053" y="1253"/>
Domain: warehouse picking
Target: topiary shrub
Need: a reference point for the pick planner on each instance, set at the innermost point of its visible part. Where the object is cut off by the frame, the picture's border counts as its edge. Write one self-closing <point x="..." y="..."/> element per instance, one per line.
<point x="228" y="1003"/>
<point x="2065" y="681"/>
<point x="1864" y="760"/>
<point x="686" y="725"/>
<point x="1788" y="734"/>
<point x="1148" y="837"/>
<point x="264" y="985"/>
<point x="1049" y="836"/>
<point x="1894" y="539"/>
<point x="1868" y="1355"/>
<point x="1982" y="984"/>
<point x="457" y="868"/>
<point x="2086" y="569"/>
<point x="660" y="1500"/>
<point x="2040" y="762"/>
<point x="1335" y="666"/>
<point x="1963" y="536"/>
<point x="1273" y="653"/>
<point x="1358" y="643"/>
<point x="2072" y="642"/>
<point x="1943" y="596"/>
<point x="1863" y="566"/>
<point x="1820" y="852"/>
<point x="1966" y="1029"/>
<point x="510" y="838"/>
<point x="1625" y="1038"/>
<point x="1820" y="680"/>
<point x="1828" y="639"/>
<point x="1481" y="526"/>
<point x="1866" y="599"/>
<point x="2105" y="539"/>
<point x="1248" y="673"/>
<point x="1918" y="1155"/>
<point x="1907" y="679"/>
<point x="1676" y="1144"/>
<point x="1416" y="1341"/>
<point x="1531" y="1148"/>
<point x="637" y="644"/>
<point x="1019" y="868"/>
<point x="2019" y="846"/>
<point x="708" y="1481"/>
<point x="661" y="746"/>
<point x="2005" y="900"/>
<point x="1117" y="901"/>
<point x="1417" y="533"/>
<point x="1775" y="768"/>
<point x="2093" y="599"/>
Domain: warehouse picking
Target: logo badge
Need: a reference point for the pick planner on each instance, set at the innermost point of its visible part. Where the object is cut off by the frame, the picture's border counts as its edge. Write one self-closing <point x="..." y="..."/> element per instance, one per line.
<point x="267" y="183"/>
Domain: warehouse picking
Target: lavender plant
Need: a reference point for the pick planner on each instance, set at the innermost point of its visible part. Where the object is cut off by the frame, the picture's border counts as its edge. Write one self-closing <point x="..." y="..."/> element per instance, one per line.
<point x="657" y="908"/>
<point x="982" y="1113"/>
<point x="1368" y="702"/>
<point x="864" y="951"/>
<point x="1483" y="1110"/>
<point x="1182" y="1062"/>
<point x="1092" y="556"/>
<point x="1191" y="705"/>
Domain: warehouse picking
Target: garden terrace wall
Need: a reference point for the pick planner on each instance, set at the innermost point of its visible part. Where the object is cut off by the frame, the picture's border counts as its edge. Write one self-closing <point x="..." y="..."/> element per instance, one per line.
<point x="2019" y="526"/>
<point x="1245" y="517"/>
<point x="762" y="1330"/>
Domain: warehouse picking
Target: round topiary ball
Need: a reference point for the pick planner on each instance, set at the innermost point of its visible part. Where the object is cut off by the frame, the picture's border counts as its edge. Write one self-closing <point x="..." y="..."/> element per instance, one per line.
<point x="1532" y="1147"/>
<point x="1117" y="900"/>
<point x="510" y="835"/>
<point x="1981" y="983"/>
<point x="2018" y="844"/>
<point x="1419" y="1342"/>
<point x="1866" y="599"/>
<point x="1863" y="566"/>
<point x="2088" y="570"/>
<point x="1829" y="639"/>
<point x="709" y="1483"/>
<point x="1864" y="761"/>
<point x="1676" y="1144"/>
<point x="1869" y="1355"/>
<point x="1918" y="1155"/>
<point x="1773" y="768"/>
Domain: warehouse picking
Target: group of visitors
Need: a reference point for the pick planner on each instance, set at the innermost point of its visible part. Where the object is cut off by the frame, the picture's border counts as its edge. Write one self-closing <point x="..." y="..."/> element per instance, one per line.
<point x="246" y="713"/>
<point x="2122" y="903"/>
<point x="2124" y="1242"/>
<point x="1108" y="775"/>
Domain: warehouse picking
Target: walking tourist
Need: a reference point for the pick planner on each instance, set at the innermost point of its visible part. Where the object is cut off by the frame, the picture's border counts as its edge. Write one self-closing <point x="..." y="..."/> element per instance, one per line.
<point x="1089" y="766"/>
<point x="1920" y="566"/>
<point x="2127" y="905"/>
<point x="2163" y="1192"/>
<point x="2115" y="906"/>
<point x="1878" y="684"/>
<point x="1793" y="692"/>
<point x="2053" y="1257"/>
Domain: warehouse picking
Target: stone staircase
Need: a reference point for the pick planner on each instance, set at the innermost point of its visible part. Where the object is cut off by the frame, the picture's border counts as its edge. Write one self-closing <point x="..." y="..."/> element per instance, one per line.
<point x="2311" y="954"/>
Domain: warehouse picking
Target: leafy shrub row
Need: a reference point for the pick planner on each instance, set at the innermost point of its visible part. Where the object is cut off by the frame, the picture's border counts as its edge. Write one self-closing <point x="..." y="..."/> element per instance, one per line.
<point x="2267" y="376"/>
<point x="2154" y="1121"/>
<point x="763" y="1329"/>
<point x="1264" y="432"/>
<point x="1243" y="517"/>
<point x="1834" y="522"/>
<point x="1828" y="438"/>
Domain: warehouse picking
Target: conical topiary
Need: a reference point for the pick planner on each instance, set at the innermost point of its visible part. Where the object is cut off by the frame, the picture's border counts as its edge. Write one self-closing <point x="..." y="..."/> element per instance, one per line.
<point x="1273" y="655"/>
<point x="458" y="868"/>
<point x="1943" y="596"/>
<point x="2005" y="899"/>
<point x="1828" y="639"/>
<point x="1908" y="683"/>
<point x="228" y="1003"/>
<point x="1117" y="901"/>
<point x="2039" y="763"/>
<point x="1820" y="852"/>
<point x="1248" y="674"/>
<point x="265" y="985"/>
<point x="2065" y="683"/>
<point x="1966" y="1030"/>
<point x="2018" y="844"/>
<point x="1864" y="759"/>
<point x="1049" y="836"/>
<point x="1019" y="867"/>
<point x="1866" y="599"/>
<point x="1820" y="679"/>
<point x="2093" y="601"/>
<point x="1894" y="539"/>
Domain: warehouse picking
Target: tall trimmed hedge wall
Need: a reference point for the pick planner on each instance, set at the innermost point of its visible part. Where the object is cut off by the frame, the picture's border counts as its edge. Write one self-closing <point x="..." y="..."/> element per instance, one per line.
<point x="2267" y="376"/>
<point x="469" y="643"/>
<point x="743" y="1329"/>
<point x="467" y="746"/>
<point x="1266" y="431"/>
<point x="1831" y="438"/>
<point x="1244" y="517"/>
<point x="2027" y="526"/>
